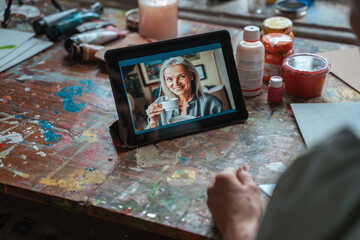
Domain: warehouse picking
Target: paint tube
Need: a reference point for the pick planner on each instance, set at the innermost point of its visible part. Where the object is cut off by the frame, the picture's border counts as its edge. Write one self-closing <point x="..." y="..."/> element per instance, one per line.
<point x="84" y="52"/>
<point x="89" y="26"/>
<point x="64" y="27"/>
<point x="97" y="37"/>
<point x="41" y="24"/>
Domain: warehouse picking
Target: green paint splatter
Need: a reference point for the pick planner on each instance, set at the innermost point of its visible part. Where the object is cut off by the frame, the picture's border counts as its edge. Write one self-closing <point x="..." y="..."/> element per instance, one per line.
<point x="7" y="47"/>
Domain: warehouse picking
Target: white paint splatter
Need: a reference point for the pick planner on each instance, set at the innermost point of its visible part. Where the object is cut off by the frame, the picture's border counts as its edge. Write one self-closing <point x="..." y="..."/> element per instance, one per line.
<point x="41" y="154"/>
<point x="27" y="89"/>
<point x="277" y="167"/>
<point x="37" y="116"/>
<point x="1" y="164"/>
<point x="22" y="77"/>
<point x="36" y="148"/>
<point x="151" y="215"/>
<point x="14" y="137"/>
<point x="23" y="157"/>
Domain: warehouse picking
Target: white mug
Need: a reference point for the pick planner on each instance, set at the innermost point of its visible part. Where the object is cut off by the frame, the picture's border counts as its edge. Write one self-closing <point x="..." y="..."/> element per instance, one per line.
<point x="170" y="104"/>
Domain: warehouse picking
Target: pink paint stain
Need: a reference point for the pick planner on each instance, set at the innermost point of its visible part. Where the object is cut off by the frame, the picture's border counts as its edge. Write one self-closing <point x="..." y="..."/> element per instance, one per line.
<point x="6" y="99"/>
<point x="203" y="155"/>
<point x="65" y="141"/>
<point x="90" y="154"/>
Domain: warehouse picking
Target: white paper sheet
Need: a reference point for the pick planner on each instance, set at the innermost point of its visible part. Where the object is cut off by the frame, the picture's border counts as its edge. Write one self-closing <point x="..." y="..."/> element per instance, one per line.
<point x="27" y="50"/>
<point x="12" y="37"/>
<point x="317" y="121"/>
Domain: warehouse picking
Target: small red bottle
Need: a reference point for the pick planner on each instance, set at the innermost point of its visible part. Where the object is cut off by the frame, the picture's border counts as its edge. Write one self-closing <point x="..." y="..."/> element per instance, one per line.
<point x="275" y="90"/>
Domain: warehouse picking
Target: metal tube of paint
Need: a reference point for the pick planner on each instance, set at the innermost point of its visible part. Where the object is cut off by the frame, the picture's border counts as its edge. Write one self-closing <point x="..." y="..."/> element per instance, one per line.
<point x="41" y="24"/>
<point x="84" y="52"/>
<point x="89" y="26"/>
<point x="64" y="27"/>
<point x="97" y="37"/>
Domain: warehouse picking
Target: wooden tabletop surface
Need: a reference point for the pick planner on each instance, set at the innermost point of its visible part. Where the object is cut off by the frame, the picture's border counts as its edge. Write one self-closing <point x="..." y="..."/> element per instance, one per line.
<point x="56" y="147"/>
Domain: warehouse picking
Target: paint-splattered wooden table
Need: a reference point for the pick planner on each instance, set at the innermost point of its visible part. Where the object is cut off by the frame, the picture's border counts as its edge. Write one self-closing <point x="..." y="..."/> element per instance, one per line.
<point x="56" y="148"/>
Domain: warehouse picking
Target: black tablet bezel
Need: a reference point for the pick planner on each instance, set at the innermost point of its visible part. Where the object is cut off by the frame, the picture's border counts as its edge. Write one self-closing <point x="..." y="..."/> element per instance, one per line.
<point x="127" y="132"/>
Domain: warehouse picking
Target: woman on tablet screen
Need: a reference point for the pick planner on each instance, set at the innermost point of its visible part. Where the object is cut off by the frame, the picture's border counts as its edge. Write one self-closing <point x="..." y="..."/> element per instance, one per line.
<point x="181" y="86"/>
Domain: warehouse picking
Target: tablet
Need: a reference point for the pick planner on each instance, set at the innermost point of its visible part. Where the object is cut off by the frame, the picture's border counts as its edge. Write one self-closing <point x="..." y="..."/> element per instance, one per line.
<point x="175" y="87"/>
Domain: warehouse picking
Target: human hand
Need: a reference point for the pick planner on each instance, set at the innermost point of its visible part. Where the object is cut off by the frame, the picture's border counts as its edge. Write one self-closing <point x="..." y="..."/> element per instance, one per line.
<point x="153" y="112"/>
<point x="235" y="204"/>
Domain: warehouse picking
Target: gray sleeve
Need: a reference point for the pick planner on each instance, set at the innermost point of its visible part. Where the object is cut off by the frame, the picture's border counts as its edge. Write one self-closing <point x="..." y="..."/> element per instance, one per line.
<point x="318" y="197"/>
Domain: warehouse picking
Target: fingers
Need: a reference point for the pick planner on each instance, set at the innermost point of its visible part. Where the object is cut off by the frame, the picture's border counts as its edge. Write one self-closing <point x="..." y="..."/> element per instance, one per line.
<point x="244" y="175"/>
<point x="154" y="110"/>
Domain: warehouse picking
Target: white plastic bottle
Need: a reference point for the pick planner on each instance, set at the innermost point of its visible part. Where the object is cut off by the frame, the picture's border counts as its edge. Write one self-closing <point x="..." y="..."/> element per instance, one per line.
<point x="250" y="62"/>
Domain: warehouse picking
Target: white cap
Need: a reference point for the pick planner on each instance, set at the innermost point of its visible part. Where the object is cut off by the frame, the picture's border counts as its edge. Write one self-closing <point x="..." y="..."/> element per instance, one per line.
<point x="251" y="33"/>
<point x="276" y="81"/>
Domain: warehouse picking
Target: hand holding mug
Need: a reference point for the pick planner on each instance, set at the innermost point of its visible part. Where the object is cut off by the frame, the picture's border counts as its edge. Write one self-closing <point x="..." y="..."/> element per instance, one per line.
<point x="153" y="112"/>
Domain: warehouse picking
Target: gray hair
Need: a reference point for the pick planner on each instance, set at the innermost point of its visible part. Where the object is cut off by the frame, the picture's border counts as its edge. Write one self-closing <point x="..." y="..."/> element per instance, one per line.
<point x="195" y="83"/>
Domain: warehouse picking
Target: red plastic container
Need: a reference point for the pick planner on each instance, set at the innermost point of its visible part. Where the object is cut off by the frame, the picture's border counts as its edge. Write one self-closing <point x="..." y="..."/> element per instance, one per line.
<point x="304" y="74"/>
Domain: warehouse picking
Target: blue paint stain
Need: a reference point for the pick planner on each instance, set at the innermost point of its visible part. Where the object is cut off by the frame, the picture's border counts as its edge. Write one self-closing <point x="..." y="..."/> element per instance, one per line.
<point x="183" y="160"/>
<point x="180" y="171"/>
<point x="266" y="160"/>
<point x="50" y="135"/>
<point x="90" y="86"/>
<point x="56" y="111"/>
<point x="70" y="98"/>
<point x="132" y="157"/>
<point x="10" y="103"/>
<point x="18" y="116"/>
<point x="42" y="111"/>
<point x="90" y="169"/>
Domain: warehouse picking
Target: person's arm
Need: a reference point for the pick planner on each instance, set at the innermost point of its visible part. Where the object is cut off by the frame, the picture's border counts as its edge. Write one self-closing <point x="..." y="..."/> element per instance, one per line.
<point x="235" y="204"/>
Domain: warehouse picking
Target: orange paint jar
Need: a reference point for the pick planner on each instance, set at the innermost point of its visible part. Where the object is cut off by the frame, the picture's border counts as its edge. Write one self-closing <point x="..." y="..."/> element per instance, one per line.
<point x="277" y="47"/>
<point x="304" y="74"/>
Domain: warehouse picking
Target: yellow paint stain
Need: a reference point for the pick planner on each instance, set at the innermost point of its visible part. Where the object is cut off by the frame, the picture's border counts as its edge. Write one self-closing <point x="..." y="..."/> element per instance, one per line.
<point x="93" y="136"/>
<point x="187" y="176"/>
<point x="77" y="180"/>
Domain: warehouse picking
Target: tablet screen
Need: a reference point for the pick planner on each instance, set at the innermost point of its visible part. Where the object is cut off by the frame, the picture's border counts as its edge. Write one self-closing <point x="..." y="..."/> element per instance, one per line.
<point x="176" y="87"/>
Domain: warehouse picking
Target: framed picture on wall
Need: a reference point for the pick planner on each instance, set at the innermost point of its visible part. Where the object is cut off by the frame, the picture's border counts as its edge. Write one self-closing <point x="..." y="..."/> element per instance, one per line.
<point x="201" y="71"/>
<point x="192" y="56"/>
<point x="151" y="71"/>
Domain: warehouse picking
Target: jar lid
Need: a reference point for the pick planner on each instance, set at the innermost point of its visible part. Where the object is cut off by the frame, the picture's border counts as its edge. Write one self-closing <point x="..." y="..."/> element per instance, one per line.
<point x="291" y="8"/>
<point x="132" y="18"/>
<point x="277" y="42"/>
<point x="277" y="23"/>
<point x="251" y="33"/>
<point x="276" y="81"/>
<point x="306" y="64"/>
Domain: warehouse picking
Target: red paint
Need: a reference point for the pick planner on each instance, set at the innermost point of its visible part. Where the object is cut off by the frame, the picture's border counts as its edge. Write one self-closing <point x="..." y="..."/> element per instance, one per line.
<point x="277" y="47"/>
<point x="275" y="90"/>
<point x="2" y="144"/>
<point x="5" y="190"/>
<point x="203" y="155"/>
<point x="304" y="74"/>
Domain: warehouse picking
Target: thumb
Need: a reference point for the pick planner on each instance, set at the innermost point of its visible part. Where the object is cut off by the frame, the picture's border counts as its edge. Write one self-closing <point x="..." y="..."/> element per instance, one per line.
<point x="244" y="176"/>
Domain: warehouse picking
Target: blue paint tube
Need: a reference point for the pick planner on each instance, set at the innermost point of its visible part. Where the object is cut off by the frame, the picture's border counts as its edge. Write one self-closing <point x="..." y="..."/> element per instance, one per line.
<point x="41" y="24"/>
<point x="64" y="27"/>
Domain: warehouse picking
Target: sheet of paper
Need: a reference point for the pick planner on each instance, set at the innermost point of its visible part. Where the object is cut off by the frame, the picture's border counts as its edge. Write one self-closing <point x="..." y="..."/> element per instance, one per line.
<point x="130" y="40"/>
<point x="345" y="65"/>
<point x="22" y="53"/>
<point x="267" y="189"/>
<point x="11" y="39"/>
<point x="317" y="121"/>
